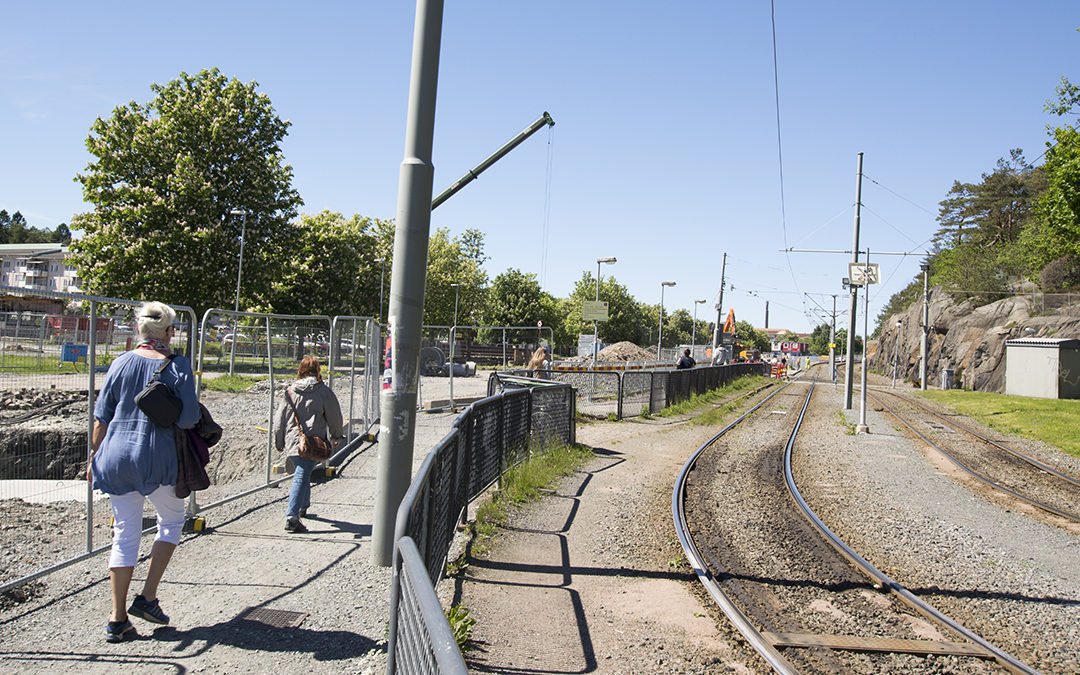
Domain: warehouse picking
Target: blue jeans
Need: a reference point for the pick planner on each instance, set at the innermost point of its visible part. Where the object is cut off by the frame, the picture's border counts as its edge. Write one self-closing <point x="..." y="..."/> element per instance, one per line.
<point x="300" y="492"/>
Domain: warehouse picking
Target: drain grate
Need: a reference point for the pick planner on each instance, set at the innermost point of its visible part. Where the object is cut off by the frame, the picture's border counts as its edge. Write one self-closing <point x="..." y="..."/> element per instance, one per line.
<point x="272" y="618"/>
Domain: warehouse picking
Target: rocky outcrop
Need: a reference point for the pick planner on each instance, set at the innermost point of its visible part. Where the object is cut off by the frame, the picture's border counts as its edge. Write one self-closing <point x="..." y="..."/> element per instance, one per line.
<point x="967" y="339"/>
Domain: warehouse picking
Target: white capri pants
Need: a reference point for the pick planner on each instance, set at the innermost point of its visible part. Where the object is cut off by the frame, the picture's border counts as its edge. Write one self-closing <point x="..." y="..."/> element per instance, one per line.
<point x="127" y="522"/>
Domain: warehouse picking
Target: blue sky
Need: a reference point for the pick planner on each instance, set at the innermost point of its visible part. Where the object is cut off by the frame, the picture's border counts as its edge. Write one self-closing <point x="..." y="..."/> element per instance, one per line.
<point x="664" y="152"/>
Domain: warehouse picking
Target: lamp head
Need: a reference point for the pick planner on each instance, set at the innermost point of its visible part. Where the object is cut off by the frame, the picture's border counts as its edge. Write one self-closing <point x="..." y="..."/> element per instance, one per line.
<point x="700" y="302"/>
<point x="607" y="261"/>
<point x="667" y="283"/>
<point x="237" y="212"/>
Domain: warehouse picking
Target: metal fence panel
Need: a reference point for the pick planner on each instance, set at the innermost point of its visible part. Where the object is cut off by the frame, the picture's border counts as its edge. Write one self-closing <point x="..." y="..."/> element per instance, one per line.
<point x="52" y="362"/>
<point x="354" y="368"/>
<point x="425" y="643"/>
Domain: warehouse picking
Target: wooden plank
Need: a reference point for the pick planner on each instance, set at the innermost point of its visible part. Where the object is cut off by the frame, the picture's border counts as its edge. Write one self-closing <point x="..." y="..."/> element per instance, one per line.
<point x="875" y="644"/>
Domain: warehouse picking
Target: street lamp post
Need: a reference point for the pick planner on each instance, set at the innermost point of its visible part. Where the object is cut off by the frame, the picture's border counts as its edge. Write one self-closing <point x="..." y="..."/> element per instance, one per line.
<point x="693" y="328"/>
<point x="239" y="272"/>
<point x="595" y="323"/>
<point x="453" y="339"/>
<point x="896" y="352"/>
<point x="660" y="334"/>
<point x="382" y="276"/>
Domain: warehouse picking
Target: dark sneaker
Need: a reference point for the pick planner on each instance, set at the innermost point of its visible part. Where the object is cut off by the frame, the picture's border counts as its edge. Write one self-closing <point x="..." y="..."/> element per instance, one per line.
<point x="148" y="610"/>
<point x="118" y="631"/>
<point x="295" y="526"/>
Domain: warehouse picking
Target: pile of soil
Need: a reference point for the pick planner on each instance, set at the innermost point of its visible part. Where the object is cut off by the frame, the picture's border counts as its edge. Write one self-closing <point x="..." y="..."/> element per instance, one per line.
<point x="620" y="351"/>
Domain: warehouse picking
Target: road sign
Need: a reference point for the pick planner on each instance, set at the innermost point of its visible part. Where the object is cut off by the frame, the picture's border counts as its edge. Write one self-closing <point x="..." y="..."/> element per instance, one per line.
<point x="592" y="310"/>
<point x="863" y="274"/>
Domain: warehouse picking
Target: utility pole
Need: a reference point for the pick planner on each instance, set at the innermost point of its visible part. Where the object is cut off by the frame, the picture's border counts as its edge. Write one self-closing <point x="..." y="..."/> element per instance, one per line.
<point x="849" y="360"/>
<point x="925" y="347"/>
<point x="719" y="309"/>
<point x="397" y="402"/>
<point x="832" y="342"/>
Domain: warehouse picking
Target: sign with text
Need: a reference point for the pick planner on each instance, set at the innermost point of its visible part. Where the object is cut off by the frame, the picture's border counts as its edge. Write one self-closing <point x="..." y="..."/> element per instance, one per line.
<point x="863" y="274"/>
<point x="592" y="310"/>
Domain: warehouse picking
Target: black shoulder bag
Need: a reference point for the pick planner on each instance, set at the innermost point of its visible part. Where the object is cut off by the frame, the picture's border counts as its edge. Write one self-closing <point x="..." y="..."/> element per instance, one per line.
<point x="157" y="401"/>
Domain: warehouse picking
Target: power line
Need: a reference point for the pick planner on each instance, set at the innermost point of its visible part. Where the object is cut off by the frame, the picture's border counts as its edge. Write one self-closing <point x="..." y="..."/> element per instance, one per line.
<point x="896" y="194"/>
<point x="779" y="143"/>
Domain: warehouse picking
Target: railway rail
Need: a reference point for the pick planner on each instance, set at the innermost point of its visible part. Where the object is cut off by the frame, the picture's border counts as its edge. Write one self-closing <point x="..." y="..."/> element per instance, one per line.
<point x="991" y="462"/>
<point x="799" y="595"/>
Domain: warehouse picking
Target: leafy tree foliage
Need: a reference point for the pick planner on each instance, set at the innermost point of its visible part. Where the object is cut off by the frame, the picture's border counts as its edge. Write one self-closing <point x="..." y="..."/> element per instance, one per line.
<point x="164" y="179"/>
<point x="628" y="320"/>
<point x="332" y="268"/>
<point x="746" y="336"/>
<point x="515" y="299"/>
<point x="14" y="230"/>
<point x="454" y="260"/>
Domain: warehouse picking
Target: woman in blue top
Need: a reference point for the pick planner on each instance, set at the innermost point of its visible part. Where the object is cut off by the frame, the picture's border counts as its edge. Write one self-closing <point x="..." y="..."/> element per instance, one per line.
<point x="134" y="459"/>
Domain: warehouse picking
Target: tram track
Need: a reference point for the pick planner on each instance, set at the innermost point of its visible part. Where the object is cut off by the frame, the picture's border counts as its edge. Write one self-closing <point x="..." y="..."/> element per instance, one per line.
<point x="991" y="462"/>
<point x="801" y="597"/>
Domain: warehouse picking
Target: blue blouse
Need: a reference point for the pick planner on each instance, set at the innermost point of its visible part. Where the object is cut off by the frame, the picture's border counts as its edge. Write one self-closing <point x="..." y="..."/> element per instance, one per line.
<point x="136" y="454"/>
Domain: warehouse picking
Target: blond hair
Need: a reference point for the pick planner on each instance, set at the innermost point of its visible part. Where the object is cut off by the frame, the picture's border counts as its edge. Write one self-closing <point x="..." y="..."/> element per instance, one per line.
<point x="153" y="320"/>
<point x="537" y="360"/>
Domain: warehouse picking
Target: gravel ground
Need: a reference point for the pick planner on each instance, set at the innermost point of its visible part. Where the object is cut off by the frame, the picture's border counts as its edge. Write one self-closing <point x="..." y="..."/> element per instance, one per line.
<point x="244" y="560"/>
<point x="591" y="579"/>
<point x="595" y="572"/>
<point x="1007" y="576"/>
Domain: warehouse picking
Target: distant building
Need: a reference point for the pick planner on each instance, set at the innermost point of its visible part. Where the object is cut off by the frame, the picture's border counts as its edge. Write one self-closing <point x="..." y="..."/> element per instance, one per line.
<point x="1043" y="367"/>
<point x="38" y="267"/>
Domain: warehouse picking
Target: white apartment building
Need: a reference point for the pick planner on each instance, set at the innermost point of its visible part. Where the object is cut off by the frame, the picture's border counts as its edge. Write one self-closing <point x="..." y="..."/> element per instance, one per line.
<point x="37" y="266"/>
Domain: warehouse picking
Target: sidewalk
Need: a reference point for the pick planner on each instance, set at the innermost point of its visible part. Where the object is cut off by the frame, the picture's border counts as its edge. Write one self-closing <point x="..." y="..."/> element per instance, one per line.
<point x="330" y="602"/>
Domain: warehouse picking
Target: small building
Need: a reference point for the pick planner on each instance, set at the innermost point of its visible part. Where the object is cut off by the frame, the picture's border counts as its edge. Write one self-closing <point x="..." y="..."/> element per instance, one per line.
<point x="1043" y="367"/>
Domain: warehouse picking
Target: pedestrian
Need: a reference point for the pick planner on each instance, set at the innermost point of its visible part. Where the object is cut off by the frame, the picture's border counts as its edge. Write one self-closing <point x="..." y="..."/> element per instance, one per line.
<point x="538" y="363"/>
<point x="134" y="459"/>
<point x="312" y="405"/>
<point x="685" y="361"/>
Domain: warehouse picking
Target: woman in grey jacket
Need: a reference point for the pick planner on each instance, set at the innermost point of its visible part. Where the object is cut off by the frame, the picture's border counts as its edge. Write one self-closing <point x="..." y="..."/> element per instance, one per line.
<point x="309" y="402"/>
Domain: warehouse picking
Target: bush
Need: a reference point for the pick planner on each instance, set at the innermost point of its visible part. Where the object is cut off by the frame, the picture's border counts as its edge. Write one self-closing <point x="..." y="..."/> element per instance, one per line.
<point x="1060" y="275"/>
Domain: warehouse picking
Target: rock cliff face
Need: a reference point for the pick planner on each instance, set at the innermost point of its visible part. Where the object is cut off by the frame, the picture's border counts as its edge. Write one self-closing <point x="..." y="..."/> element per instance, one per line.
<point x="969" y="340"/>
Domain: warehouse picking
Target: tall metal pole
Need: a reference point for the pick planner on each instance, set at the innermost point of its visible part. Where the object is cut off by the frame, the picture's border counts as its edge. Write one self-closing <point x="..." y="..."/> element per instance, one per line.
<point x="719" y="309"/>
<point x="850" y="358"/>
<point x="382" y="284"/>
<point x="896" y="353"/>
<point x="239" y="274"/>
<point x="660" y="334"/>
<point x="924" y="350"/>
<point x="863" y="428"/>
<point x="596" y="323"/>
<point x="832" y="342"/>
<point x="693" y="327"/>
<point x="453" y="343"/>
<point x="397" y="402"/>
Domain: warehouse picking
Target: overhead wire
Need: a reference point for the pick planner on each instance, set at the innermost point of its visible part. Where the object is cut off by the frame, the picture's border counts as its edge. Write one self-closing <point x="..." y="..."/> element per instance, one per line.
<point x="547" y="203"/>
<point x="779" y="142"/>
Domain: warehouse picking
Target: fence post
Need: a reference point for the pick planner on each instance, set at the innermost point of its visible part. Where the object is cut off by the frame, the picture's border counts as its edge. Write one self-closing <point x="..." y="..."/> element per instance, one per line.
<point x="270" y="429"/>
<point x="619" y="405"/>
<point x="91" y="362"/>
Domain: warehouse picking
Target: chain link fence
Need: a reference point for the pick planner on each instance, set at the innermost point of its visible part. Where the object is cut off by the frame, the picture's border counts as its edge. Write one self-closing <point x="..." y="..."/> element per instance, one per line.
<point x="55" y="349"/>
<point x="489" y="437"/>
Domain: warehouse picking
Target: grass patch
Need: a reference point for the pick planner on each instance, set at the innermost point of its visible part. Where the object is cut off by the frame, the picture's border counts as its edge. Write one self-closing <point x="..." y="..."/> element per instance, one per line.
<point x="849" y="428"/>
<point x="231" y="383"/>
<point x="523" y="484"/>
<point x="1052" y="421"/>
<point x="461" y="625"/>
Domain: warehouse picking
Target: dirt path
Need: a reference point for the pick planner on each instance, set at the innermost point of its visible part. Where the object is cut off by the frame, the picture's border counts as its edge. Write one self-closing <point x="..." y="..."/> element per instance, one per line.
<point x="597" y="568"/>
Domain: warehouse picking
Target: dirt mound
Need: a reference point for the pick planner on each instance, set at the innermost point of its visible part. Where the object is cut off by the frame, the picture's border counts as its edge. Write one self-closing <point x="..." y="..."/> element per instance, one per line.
<point x="620" y="351"/>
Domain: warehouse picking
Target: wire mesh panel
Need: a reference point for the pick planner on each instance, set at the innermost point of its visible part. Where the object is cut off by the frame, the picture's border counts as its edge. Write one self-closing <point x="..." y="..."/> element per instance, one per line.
<point x="551" y="410"/>
<point x="598" y="392"/>
<point x="423" y="642"/>
<point x="484" y="434"/>
<point x="636" y="393"/>
<point x="246" y="360"/>
<point x="515" y="427"/>
<point x="53" y="358"/>
<point x="352" y="369"/>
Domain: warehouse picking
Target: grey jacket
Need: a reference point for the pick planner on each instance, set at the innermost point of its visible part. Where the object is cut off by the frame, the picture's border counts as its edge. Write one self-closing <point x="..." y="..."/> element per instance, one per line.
<point x="318" y="409"/>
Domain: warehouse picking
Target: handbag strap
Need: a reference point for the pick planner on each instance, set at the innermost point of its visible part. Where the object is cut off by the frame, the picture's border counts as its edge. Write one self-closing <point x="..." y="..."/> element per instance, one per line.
<point x="164" y="364"/>
<point x="296" y="418"/>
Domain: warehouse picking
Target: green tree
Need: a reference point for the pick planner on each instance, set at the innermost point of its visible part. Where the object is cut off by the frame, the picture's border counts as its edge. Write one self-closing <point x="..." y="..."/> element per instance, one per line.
<point x="515" y="299"/>
<point x="747" y="336"/>
<point x="166" y="176"/>
<point x="627" y="319"/>
<point x="454" y="260"/>
<point x="332" y="269"/>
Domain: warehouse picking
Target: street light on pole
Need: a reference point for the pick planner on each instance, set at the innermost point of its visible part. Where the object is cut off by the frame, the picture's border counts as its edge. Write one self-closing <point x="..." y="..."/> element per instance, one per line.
<point x="239" y="272"/>
<point x="595" y="323"/>
<point x="660" y="335"/>
<point x="896" y="352"/>
<point x="693" y="327"/>
<point x="382" y="275"/>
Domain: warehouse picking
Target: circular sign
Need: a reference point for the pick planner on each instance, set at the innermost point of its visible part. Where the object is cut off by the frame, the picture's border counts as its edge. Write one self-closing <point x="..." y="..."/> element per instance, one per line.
<point x="539" y="324"/>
